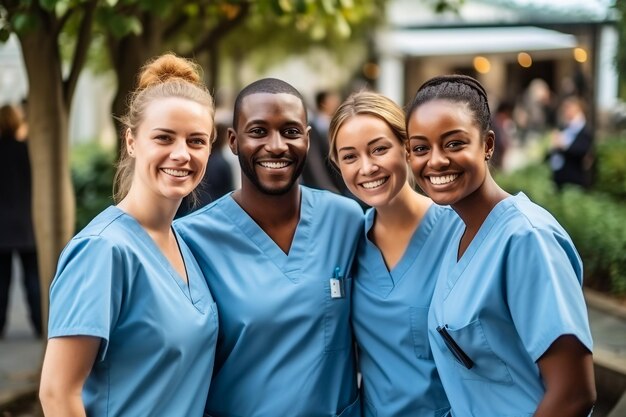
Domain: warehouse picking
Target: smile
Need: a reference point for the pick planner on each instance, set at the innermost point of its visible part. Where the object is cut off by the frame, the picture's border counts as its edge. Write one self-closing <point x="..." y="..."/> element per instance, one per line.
<point x="176" y="172"/>
<point x="444" y="179"/>
<point x="274" y="165"/>
<point x="374" y="184"/>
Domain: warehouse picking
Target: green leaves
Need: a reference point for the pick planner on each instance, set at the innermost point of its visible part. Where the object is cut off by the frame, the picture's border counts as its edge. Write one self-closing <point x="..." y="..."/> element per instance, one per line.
<point x="119" y="25"/>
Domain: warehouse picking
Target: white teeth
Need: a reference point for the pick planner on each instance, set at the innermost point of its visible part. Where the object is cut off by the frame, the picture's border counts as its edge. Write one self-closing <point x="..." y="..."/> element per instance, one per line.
<point x="274" y="165"/>
<point x="374" y="184"/>
<point x="444" y="179"/>
<point x="176" y="172"/>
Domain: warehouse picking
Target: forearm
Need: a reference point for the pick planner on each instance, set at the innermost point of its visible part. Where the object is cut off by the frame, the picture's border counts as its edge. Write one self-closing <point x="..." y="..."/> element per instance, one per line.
<point x="55" y="404"/>
<point x="565" y="406"/>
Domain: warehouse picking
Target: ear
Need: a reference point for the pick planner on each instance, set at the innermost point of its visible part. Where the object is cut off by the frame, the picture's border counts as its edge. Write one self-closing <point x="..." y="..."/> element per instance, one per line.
<point x="407" y="149"/>
<point x="130" y="143"/>
<point x="232" y="140"/>
<point x="307" y="133"/>
<point x="490" y="144"/>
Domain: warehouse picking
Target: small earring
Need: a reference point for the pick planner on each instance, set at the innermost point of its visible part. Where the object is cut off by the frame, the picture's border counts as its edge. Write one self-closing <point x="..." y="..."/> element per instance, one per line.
<point x="131" y="153"/>
<point x="487" y="157"/>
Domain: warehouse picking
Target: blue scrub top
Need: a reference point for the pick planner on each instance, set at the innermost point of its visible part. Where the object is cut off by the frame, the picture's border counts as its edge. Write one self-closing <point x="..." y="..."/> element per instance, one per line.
<point x="285" y="347"/>
<point x="158" y="333"/>
<point x="515" y="290"/>
<point x="390" y="320"/>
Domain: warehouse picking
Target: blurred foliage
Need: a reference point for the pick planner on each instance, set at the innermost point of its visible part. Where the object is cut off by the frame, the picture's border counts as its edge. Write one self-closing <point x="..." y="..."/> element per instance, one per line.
<point x="595" y="221"/>
<point x="93" y="168"/>
<point x="611" y="167"/>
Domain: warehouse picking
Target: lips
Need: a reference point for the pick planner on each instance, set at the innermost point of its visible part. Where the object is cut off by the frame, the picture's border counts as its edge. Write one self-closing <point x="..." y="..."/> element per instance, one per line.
<point x="274" y="164"/>
<point x="370" y="185"/>
<point x="176" y="172"/>
<point x="442" y="179"/>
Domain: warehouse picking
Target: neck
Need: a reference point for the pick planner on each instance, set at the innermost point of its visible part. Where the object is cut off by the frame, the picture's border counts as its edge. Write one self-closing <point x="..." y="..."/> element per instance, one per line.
<point x="406" y="208"/>
<point x="268" y="209"/>
<point x="154" y="216"/>
<point x="475" y="208"/>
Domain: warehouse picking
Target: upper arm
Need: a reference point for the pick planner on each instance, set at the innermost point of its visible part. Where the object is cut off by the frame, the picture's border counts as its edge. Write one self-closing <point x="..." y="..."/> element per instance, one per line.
<point x="66" y="366"/>
<point x="567" y="371"/>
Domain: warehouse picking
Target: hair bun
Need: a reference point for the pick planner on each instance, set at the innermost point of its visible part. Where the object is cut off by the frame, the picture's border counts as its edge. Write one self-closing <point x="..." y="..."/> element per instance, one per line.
<point x="169" y="67"/>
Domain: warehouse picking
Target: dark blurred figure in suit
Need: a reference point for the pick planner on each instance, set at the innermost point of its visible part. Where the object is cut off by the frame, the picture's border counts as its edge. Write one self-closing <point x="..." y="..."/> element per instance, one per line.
<point x="16" y="227"/>
<point x="571" y="155"/>
<point x="318" y="171"/>
<point x="218" y="177"/>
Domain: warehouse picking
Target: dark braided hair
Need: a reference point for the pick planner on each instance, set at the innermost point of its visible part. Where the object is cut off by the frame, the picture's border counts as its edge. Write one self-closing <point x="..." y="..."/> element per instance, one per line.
<point x="265" y="85"/>
<point x="457" y="88"/>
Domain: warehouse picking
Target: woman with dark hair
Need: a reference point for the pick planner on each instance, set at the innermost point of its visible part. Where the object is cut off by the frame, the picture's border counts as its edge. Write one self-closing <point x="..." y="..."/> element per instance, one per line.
<point x="508" y="324"/>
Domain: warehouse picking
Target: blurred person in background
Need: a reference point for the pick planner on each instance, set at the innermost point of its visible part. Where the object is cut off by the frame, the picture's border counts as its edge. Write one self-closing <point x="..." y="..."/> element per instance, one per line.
<point x="503" y="128"/>
<point x="571" y="155"/>
<point x="318" y="171"/>
<point x="218" y="178"/>
<point x="16" y="227"/>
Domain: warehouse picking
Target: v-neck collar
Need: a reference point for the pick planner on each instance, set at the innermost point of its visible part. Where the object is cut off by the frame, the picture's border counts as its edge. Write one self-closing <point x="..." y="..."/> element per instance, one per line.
<point x="457" y="267"/>
<point x="191" y="289"/>
<point x="388" y="279"/>
<point x="290" y="264"/>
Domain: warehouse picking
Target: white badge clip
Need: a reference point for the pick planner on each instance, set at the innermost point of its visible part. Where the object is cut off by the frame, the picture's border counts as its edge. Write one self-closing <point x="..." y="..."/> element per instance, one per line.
<point x="336" y="285"/>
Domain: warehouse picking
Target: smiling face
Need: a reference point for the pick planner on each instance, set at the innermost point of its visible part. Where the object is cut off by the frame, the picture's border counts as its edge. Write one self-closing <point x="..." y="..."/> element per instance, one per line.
<point x="271" y="140"/>
<point x="171" y="147"/>
<point x="448" y="153"/>
<point x="372" y="160"/>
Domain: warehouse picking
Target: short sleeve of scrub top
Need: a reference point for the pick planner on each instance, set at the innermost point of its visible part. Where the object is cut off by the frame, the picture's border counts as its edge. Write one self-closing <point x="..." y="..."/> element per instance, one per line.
<point x="86" y="297"/>
<point x="543" y="290"/>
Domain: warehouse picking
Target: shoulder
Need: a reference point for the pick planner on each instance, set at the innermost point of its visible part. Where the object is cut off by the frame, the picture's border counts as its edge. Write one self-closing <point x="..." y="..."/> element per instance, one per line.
<point x="531" y="228"/>
<point x="329" y="200"/>
<point x="204" y="214"/>
<point x="106" y="233"/>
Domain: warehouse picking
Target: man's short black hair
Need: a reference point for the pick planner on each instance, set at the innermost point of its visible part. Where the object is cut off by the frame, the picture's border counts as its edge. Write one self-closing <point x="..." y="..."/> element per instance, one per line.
<point x="266" y="85"/>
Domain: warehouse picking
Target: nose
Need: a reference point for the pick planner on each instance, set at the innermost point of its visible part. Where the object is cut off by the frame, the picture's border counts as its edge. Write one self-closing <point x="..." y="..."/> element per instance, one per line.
<point x="180" y="152"/>
<point x="438" y="159"/>
<point x="276" y="144"/>
<point x="368" y="166"/>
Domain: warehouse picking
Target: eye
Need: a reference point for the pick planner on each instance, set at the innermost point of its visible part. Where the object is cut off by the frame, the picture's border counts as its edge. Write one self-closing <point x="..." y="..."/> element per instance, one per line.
<point x="419" y="149"/>
<point x="453" y="144"/>
<point x="292" y="132"/>
<point x="348" y="157"/>
<point x="257" y="131"/>
<point x="380" y="149"/>
<point x="199" y="141"/>
<point x="162" y="138"/>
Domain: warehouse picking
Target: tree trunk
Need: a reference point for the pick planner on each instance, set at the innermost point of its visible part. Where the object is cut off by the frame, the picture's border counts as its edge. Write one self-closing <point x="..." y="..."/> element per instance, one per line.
<point x="48" y="115"/>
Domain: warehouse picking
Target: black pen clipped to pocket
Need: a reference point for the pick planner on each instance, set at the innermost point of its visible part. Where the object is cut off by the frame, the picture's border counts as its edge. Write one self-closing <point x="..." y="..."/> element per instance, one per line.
<point x="454" y="348"/>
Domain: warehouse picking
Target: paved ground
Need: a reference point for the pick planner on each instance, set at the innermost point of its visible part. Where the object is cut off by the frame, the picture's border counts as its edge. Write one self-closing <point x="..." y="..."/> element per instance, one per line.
<point x="21" y="354"/>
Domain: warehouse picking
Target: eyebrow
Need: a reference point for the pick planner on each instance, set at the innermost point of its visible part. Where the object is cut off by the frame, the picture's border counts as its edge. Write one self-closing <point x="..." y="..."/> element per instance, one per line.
<point x="443" y="136"/>
<point x="345" y="148"/>
<point x="172" y="132"/>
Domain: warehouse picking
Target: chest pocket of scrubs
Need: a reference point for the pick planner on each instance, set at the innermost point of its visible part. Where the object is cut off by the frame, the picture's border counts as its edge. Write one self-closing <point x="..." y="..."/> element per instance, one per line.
<point x="337" y="333"/>
<point x="419" y="332"/>
<point x="487" y="365"/>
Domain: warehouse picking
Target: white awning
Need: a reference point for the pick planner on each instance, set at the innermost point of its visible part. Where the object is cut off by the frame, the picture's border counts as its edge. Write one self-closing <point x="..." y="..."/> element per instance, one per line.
<point x="470" y="41"/>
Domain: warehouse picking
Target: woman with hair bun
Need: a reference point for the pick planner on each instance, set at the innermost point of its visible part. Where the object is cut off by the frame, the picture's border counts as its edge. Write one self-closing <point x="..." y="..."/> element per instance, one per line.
<point x="133" y="326"/>
<point x="507" y="324"/>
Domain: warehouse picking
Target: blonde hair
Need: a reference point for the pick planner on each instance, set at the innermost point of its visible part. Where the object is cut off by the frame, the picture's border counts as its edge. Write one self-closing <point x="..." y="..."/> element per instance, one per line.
<point x="165" y="76"/>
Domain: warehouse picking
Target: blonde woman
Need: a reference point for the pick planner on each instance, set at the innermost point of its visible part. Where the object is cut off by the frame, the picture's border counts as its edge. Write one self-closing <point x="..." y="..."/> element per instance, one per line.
<point x="133" y="325"/>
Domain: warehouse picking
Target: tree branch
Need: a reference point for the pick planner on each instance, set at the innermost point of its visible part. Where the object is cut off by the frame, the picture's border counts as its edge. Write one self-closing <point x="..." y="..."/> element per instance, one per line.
<point x="221" y="30"/>
<point x="80" y="52"/>
<point x="63" y="20"/>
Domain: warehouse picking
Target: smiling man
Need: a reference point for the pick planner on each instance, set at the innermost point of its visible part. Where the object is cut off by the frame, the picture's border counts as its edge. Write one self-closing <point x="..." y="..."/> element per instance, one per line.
<point x="277" y="257"/>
